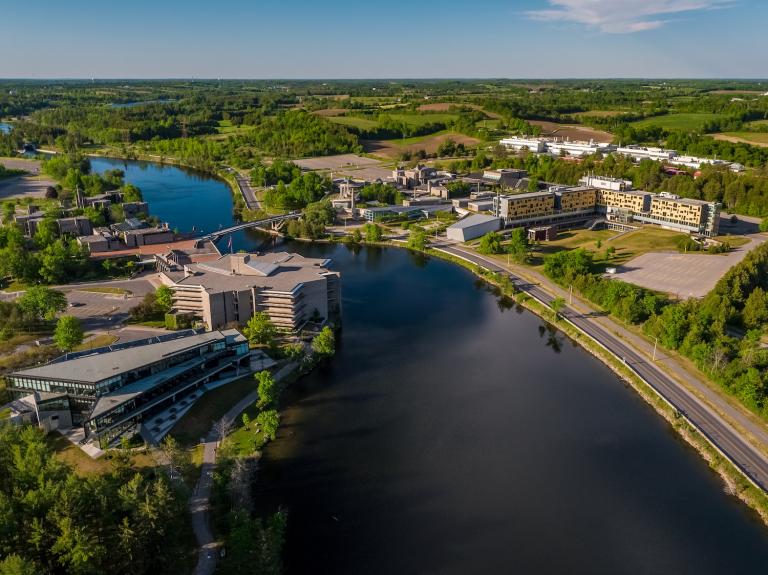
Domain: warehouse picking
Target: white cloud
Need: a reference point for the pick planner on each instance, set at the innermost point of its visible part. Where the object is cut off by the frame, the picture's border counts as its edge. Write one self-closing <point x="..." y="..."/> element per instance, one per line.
<point x="621" y="16"/>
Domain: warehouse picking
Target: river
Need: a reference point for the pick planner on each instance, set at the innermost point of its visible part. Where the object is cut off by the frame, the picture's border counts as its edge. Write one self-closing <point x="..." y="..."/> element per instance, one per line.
<point x="5" y="128"/>
<point x="454" y="434"/>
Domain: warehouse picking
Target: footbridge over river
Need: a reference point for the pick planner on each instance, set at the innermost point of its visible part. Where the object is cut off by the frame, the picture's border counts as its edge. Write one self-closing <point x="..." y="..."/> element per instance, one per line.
<point x="273" y="222"/>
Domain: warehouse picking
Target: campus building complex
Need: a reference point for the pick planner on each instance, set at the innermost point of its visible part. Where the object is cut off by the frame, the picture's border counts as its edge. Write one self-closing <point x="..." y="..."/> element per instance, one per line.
<point x="290" y="288"/>
<point x="613" y="199"/>
<point x="110" y="391"/>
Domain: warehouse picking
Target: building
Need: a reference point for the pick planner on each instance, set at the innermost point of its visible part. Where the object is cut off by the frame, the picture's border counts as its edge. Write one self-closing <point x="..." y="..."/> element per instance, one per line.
<point x="581" y="199"/>
<point x="412" y="177"/>
<point x="509" y="177"/>
<point x="110" y="391"/>
<point x="578" y="149"/>
<point x="542" y="234"/>
<point x="605" y="183"/>
<point x="673" y="212"/>
<point x="638" y="153"/>
<point x="481" y="205"/>
<point x="627" y="200"/>
<point x="523" y="208"/>
<point x="472" y="227"/>
<point x="290" y="288"/>
<point x="380" y="213"/>
<point x="538" y="145"/>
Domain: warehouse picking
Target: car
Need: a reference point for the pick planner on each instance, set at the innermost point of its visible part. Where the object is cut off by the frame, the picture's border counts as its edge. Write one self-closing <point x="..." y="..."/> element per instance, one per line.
<point x="75" y="304"/>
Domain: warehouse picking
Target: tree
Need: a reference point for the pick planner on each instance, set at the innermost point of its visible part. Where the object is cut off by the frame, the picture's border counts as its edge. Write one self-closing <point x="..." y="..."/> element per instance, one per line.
<point x="268" y="390"/>
<point x="68" y="333"/>
<point x="556" y="305"/>
<point x="417" y="239"/>
<point x="223" y="427"/>
<point x="324" y="343"/>
<point x="268" y="422"/>
<point x="246" y="420"/>
<point x="40" y="302"/>
<point x="372" y="233"/>
<point x="755" y="312"/>
<point x="518" y="245"/>
<point x="260" y="330"/>
<point x="173" y="456"/>
<point x="490" y="243"/>
<point x="164" y="299"/>
<point x="15" y="565"/>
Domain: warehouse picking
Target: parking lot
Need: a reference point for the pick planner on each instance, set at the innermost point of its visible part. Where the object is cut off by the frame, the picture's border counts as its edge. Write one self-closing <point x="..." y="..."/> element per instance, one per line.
<point x="336" y="162"/>
<point x="683" y="275"/>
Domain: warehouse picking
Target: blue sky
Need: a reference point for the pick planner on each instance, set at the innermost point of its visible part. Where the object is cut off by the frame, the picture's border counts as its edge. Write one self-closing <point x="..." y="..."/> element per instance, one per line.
<point x="394" y="39"/>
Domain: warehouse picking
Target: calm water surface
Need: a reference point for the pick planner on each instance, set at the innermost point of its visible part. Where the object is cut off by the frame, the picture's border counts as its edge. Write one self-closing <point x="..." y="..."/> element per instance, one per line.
<point x="452" y="434"/>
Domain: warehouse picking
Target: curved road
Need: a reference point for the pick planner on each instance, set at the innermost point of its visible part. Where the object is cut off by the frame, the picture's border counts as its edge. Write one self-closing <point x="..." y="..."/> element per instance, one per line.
<point x="720" y="433"/>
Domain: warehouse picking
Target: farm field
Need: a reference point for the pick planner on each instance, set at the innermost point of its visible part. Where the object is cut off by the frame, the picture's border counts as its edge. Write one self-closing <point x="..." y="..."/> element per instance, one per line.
<point x="572" y="131"/>
<point x="418" y="120"/>
<point x="392" y="149"/>
<point x="331" y="112"/>
<point x="693" y="121"/>
<point x="753" y="138"/>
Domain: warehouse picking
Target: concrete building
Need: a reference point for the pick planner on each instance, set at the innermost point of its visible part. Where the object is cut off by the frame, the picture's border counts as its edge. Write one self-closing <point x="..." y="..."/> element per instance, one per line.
<point x="673" y="212"/>
<point x="538" y="145"/>
<point x="578" y="149"/>
<point x="638" y="153"/>
<point x="472" y="227"/>
<point x="605" y="183"/>
<point x="580" y="199"/>
<point x="483" y="205"/>
<point x="290" y="288"/>
<point x="412" y="177"/>
<point x="110" y="391"/>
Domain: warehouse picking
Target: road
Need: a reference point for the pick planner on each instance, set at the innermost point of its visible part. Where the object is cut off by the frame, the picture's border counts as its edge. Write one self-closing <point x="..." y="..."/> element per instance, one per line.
<point x="248" y="193"/>
<point x="721" y="433"/>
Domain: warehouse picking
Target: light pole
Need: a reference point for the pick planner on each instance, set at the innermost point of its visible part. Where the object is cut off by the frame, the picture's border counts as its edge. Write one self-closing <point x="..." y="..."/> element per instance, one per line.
<point x="570" y="295"/>
<point x="655" y="343"/>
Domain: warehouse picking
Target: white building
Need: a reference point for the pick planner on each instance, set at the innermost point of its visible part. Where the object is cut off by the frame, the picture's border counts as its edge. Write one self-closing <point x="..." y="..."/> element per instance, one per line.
<point x="537" y="145"/>
<point x="472" y="227"/>
<point x="638" y="153"/>
<point x="577" y="149"/>
<point x="604" y="183"/>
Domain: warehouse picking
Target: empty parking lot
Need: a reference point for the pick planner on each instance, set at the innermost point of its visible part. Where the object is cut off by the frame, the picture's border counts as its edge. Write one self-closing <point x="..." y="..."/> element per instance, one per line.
<point x="683" y="275"/>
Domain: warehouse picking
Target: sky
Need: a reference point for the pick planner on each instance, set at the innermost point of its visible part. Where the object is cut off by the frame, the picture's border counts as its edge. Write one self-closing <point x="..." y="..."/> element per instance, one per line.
<point x="393" y="39"/>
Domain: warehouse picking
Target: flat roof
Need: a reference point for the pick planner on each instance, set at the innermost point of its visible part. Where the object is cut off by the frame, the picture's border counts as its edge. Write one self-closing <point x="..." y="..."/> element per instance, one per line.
<point x="529" y="195"/>
<point x="473" y="220"/>
<point x="96" y="367"/>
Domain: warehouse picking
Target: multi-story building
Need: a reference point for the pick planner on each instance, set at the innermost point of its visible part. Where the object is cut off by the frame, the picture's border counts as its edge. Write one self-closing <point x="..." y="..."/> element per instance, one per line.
<point x="110" y="391"/>
<point x="576" y="200"/>
<point x="627" y="200"/>
<point x="605" y="183"/>
<point x="522" y="208"/>
<point x="638" y="153"/>
<point x="290" y="288"/>
<point x="578" y="149"/>
<point x="697" y="216"/>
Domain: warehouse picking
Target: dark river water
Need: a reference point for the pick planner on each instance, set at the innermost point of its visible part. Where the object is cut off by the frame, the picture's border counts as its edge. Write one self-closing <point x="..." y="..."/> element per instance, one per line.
<point x="454" y="434"/>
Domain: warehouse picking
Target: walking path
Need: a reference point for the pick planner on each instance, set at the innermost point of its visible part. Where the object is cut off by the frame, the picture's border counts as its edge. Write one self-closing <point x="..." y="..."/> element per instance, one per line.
<point x="199" y="504"/>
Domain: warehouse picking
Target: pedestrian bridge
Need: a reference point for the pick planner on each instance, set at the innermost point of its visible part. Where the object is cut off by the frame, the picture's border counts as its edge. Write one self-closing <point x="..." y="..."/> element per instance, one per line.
<point x="274" y="222"/>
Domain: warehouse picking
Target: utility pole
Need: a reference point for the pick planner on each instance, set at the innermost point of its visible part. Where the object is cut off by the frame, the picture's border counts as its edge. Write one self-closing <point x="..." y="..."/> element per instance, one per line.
<point x="655" y="343"/>
<point x="570" y="297"/>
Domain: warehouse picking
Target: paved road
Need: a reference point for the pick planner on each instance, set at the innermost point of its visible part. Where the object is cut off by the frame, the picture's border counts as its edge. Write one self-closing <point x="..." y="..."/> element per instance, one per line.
<point x="728" y="440"/>
<point x="248" y="193"/>
<point x="199" y="503"/>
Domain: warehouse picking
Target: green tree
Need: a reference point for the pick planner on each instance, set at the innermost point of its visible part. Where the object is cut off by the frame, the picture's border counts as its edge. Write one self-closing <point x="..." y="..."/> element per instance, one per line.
<point x="15" y="565"/>
<point x="490" y="243"/>
<point x="246" y="420"/>
<point x="324" y="343"/>
<point x="556" y="305"/>
<point x="164" y="299"/>
<point x="268" y="390"/>
<point x="40" y="302"/>
<point x="68" y="333"/>
<point x="755" y="312"/>
<point x="372" y="233"/>
<point x="518" y="247"/>
<point x="417" y="239"/>
<point x="268" y="421"/>
<point x="260" y="330"/>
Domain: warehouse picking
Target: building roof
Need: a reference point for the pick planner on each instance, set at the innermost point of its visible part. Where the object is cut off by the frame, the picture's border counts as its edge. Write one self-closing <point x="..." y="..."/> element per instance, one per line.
<point x="281" y="271"/>
<point x="473" y="220"/>
<point x="109" y="362"/>
<point x="528" y="195"/>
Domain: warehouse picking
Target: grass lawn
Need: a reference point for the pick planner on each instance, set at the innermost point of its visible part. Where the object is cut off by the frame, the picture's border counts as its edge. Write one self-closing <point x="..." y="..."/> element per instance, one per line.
<point x="14" y="286"/>
<point x="226" y="127"/>
<point x="693" y="121"/>
<point x="627" y="246"/>
<point x="241" y="442"/>
<point x="197" y="422"/>
<point x="733" y="241"/>
<point x="109" y="290"/>
<point x="69" y="453"/>
<point x="98" y="341"/>
<point x="488" y="124"/>
<point x="354" y="122"/>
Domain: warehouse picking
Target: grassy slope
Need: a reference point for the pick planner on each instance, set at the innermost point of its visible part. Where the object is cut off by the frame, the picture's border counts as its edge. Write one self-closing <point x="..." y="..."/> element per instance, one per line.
<point x="692" y="121"/>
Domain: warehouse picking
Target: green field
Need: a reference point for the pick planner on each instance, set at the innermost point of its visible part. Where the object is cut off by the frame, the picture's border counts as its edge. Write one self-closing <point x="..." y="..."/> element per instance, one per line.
<point x="678" y="121"/>
<point x="418" y="120"/>
<point x="226" y="127"/>
<point x="354" y="122"/>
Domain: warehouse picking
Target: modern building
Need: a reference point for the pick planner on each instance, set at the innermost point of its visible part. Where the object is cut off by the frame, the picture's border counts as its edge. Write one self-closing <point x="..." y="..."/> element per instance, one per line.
<point x="473" y="227"/>
<point x="578" y="149"/>
<point x="110" y="391"/>
<point x="290" y="288"/>
<point x="605" y="183"/>
<point x="480" y="205"/>
<point x="671" y="211"/>
<point x="638" y="153"/>
<point x="524" y="208"/>
<point x="538" y="145"/>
